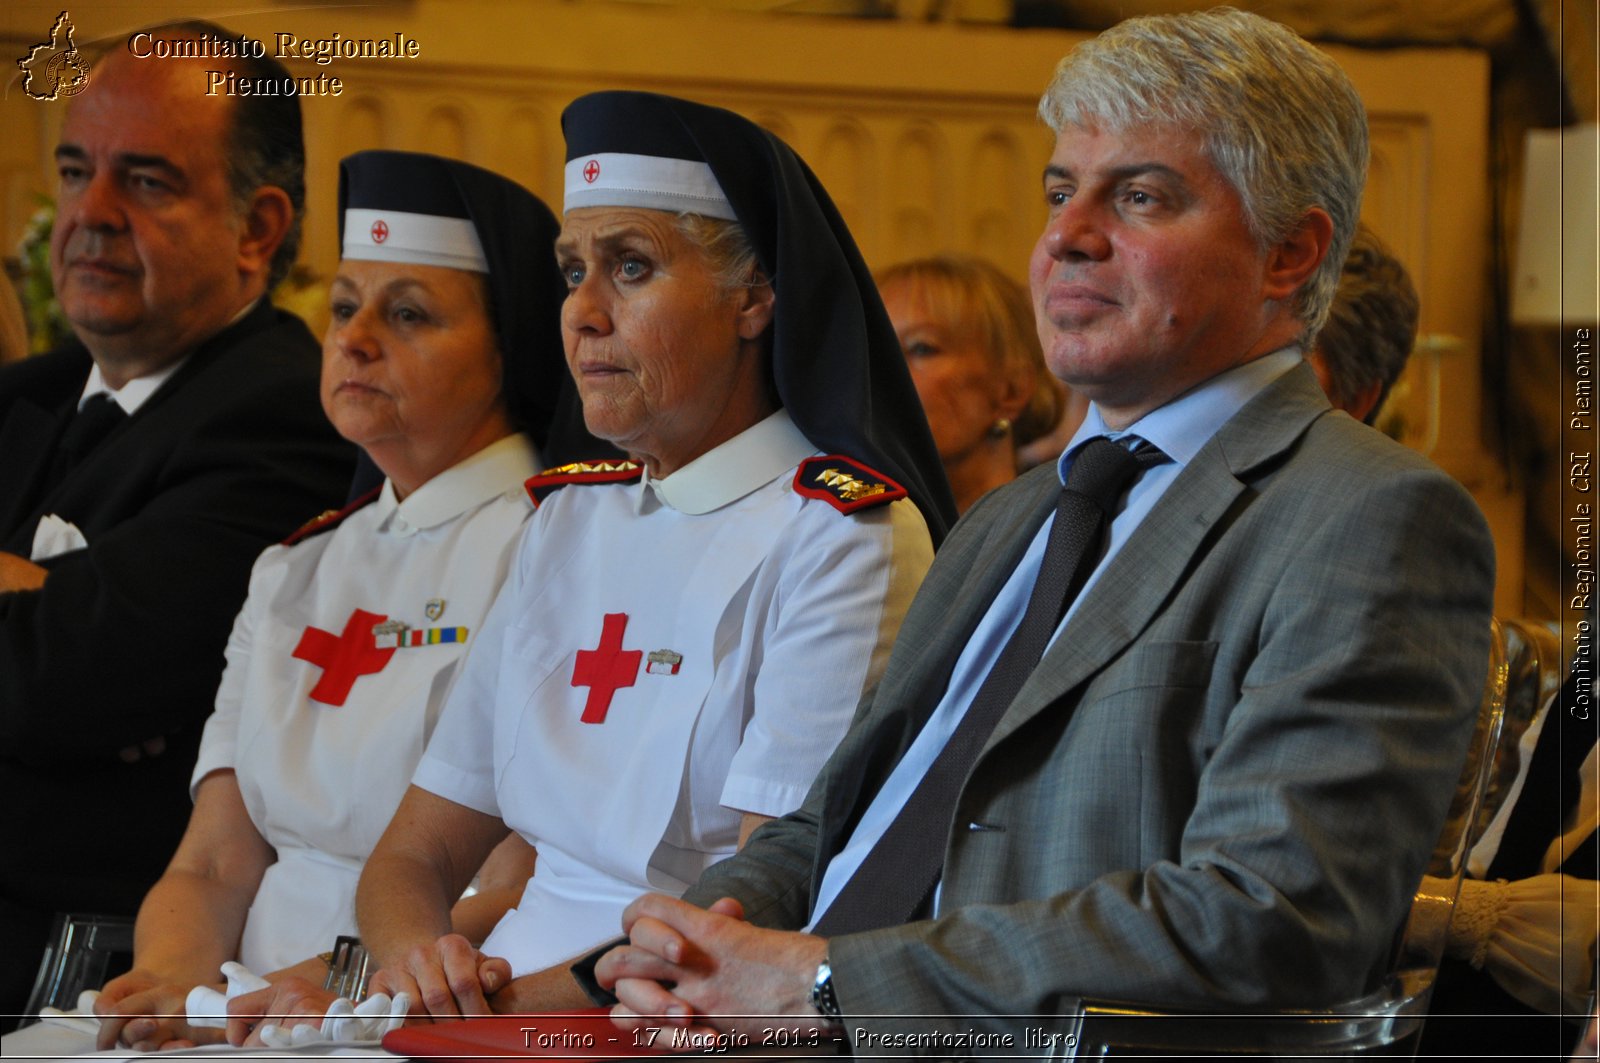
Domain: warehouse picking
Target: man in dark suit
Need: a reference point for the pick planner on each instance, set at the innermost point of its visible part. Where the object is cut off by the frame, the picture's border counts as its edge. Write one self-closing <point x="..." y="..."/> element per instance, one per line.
<point x="141" y="472"/>
<point x="1218" y="782"/>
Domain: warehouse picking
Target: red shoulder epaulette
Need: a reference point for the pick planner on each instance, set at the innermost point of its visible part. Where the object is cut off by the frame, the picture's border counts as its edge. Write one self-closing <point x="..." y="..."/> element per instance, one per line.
<point x="844" y="484"/>
<point x="582" y="472"/>
<point x="330" y="519"/>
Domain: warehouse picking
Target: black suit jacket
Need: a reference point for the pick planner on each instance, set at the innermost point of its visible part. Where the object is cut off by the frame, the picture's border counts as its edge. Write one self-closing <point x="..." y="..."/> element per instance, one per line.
<point x="125" y="640"/>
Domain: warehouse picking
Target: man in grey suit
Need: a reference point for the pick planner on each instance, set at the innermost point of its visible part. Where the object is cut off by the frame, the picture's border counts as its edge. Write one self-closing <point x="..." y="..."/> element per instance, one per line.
<point x="1220" y="783"/>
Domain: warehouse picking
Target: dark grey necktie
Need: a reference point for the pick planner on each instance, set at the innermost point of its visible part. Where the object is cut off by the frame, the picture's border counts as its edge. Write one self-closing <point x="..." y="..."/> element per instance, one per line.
<point x="898" y="875"/>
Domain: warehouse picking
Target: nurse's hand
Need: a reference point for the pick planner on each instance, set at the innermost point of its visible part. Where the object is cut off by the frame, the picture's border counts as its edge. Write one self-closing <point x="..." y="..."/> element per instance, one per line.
<point x="287" y="1004"/>
<point x="446" y="979"/>
<point x="145" y="1012"/>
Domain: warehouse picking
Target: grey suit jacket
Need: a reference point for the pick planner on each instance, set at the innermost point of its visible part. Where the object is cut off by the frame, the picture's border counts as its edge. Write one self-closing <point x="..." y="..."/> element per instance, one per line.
<point x="1220" y="785"/>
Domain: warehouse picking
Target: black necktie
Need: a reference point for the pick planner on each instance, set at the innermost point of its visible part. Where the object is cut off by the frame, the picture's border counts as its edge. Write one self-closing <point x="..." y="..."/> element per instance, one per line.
<point x="898" y="875"/>
<point x="92" y="423"/>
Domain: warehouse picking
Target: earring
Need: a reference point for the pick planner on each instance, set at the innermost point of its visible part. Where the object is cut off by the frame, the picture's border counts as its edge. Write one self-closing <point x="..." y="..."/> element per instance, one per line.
<point x="1000" y="428"/>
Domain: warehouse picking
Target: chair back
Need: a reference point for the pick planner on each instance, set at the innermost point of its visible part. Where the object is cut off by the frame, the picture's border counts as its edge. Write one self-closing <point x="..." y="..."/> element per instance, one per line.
<point x="1427" y="929"/>
<point x="83" y="952"/>
<point x="1533" y="678"/>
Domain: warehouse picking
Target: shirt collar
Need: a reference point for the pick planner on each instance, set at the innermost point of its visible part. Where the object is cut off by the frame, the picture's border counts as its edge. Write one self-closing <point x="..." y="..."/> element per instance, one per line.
<point x="498" y="468"/>
<point x="132" y="395"/>
<point x="1187" y="423"/>
<point x="732" y="470"/>
<point x="136" y="392"/>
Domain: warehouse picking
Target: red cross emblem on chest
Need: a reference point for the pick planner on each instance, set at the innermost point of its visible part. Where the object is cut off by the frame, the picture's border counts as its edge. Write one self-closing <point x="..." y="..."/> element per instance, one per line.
<point x="380" y="231"/>
<point x="345" y="658"/>
<point x="606" y="668"/>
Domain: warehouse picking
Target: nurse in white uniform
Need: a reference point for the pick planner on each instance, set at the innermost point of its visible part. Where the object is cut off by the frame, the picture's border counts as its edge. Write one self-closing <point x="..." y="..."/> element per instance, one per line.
<point x="441" y="362"/>
<point x="682" y="639"/>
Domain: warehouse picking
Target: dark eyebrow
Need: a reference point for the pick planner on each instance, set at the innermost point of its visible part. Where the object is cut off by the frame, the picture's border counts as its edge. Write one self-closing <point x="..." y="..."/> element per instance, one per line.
<point x="131" y="161"/>
<point x="126" y="160"/>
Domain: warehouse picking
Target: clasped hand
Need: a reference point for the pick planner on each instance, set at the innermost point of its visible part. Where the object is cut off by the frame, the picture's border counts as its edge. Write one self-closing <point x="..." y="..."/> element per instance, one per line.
<point x="727" y="978"/>
<point x="445" y="980"/>
<point x="143" y="1011"/>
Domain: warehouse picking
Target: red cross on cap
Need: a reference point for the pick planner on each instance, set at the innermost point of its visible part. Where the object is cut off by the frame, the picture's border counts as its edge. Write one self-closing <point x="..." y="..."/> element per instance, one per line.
<point x="380" y="231"/>
<point x="591" y="170"/>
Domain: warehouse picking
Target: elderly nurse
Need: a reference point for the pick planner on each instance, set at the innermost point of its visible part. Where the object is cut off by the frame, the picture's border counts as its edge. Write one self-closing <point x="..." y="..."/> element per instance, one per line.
<point x="683" y="638"/>
<point x="442" y="362"/>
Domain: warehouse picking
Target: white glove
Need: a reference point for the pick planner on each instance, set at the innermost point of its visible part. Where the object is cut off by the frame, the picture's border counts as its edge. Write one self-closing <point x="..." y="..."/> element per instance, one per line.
<point x="345" y="1022"/>
<point x="82" y="1018"/>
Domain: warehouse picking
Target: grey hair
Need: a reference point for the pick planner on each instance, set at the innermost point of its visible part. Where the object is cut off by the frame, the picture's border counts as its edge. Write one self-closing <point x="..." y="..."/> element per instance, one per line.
<point x="728" y="249"/>
<point x="1279" y="120"/>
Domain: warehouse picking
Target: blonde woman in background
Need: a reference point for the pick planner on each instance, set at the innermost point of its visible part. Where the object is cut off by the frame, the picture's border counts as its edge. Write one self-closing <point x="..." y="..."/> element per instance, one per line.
<point x="969" y="338"/>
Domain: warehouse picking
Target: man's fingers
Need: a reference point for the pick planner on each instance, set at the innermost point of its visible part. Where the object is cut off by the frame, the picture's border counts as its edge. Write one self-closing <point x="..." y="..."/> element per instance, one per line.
<point x="641" y="1002"/>
<point x="654" y="936"/>
<point x="727" y="906"/>
<point x="669" y="910"/>
<point x="626" y="961"/>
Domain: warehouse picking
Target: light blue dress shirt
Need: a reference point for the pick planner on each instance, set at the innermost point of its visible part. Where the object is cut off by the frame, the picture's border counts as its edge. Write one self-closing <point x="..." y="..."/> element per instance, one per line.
<point x="1180" y="428"/>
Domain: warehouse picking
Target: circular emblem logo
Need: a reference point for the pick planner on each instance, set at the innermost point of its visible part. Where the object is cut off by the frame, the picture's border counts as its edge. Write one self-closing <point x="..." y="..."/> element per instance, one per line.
<point x="68" y="73"/>
<point x="380" y="231"/>
<point x="591" y="171"/>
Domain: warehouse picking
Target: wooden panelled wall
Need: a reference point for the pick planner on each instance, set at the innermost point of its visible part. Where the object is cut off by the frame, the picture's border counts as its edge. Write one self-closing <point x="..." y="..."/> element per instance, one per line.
<point x="924" y="134"/>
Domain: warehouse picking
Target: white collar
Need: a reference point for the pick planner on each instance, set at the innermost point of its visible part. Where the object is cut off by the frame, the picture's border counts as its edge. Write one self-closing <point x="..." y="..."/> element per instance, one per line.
<point x="498" y="468"/>
<point x="136" y="392"/>
<point x="132" y="395"/>
<point x="728" y="472"/>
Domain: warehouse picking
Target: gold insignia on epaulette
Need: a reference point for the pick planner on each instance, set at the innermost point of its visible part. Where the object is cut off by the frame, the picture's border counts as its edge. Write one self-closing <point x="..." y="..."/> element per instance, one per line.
<point x="578" y="468"/>
<point x="849" y="487"/>
<point x="327" y="514"/>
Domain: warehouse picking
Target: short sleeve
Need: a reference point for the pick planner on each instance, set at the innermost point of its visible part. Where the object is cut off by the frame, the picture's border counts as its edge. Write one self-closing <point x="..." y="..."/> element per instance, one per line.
<point x="844" y="585"/>
<point x="219" y="742"/>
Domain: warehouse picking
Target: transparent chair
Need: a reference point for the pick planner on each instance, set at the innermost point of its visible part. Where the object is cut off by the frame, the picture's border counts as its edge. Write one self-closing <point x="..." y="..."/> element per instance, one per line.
<point x="1388" y="1020"/>
<point x="84" y="951"/>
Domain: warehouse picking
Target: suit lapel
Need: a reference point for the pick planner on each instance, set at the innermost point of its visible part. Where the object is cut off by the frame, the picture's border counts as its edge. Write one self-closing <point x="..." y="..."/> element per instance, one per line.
<point x="28" y="441"/>
<point x="1149" y="569"/>
<point x="102" y="464"/>
<point x="935" y="634"/>
<point x="972" y="566"/>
